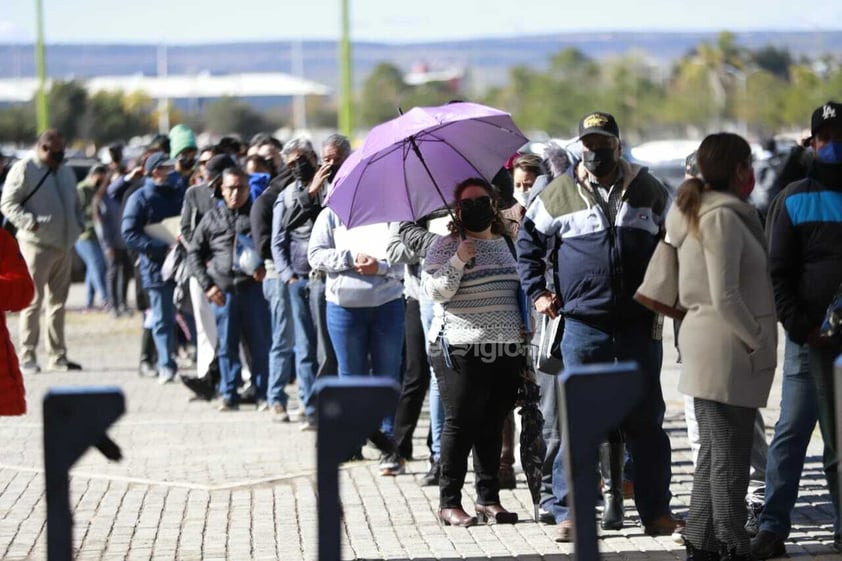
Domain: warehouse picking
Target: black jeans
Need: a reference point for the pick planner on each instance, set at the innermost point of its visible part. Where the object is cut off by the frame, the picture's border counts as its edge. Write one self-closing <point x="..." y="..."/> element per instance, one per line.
<point x="120" y="270"/>
<point x="416" y="379"/>
<point x="478" y="390"/>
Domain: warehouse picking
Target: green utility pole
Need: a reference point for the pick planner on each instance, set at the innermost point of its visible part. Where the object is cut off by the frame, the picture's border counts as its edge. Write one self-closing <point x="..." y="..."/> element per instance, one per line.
<point x="346" y="98"/>
<point x="41" y="110"/>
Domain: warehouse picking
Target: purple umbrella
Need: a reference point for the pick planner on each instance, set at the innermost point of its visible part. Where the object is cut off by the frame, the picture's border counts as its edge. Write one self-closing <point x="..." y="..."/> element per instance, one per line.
<point x="407" y="167"/>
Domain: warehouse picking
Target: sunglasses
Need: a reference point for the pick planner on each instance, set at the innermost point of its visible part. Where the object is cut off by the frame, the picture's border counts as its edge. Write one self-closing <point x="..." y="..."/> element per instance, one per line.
<point x="479" y="202"/>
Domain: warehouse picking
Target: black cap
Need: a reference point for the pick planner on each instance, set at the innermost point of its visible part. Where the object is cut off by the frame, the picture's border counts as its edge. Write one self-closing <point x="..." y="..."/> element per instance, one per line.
<point x="599" y="123"/>
<point x="156" y="160"/>
<point x="217" y="165"/>
<point x="828" y="114"/>
<point x="159" y="142"/>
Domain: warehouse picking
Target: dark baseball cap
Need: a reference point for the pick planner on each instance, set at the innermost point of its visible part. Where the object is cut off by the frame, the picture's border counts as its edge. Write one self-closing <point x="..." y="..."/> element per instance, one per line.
<point x="217" y="165"/>
<point x="599" y="123"/>
<point x="157" y="160"/>
<point x="828" y="114"/>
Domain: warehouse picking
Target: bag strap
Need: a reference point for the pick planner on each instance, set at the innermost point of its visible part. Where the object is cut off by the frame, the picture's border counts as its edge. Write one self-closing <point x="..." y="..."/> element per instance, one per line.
<point x="38" y="186"/>
<point x="524" y="304"/>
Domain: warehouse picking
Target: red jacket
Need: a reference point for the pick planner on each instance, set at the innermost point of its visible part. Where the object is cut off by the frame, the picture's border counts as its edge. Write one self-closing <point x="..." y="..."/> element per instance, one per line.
<point x="16" y="292"/>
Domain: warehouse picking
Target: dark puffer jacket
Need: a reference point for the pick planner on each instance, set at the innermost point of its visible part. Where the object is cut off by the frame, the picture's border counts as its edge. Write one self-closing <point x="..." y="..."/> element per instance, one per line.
<point x="210" y="254"/>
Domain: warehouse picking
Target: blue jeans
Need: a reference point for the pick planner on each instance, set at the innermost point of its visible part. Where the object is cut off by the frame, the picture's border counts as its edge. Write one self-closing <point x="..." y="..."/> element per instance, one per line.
<point x="280" y="350"/>
<point x="91" y="253"/>
<point x="822" y="373"/>
<point x="245" y="313"/>
<point x="436" y="405"/>
<point x="163" y="323"/>
<point x="305" y="343"/>
<point x="642" y="429"/>
<point x="369" y="341"/>
<point x="785" y="462"/>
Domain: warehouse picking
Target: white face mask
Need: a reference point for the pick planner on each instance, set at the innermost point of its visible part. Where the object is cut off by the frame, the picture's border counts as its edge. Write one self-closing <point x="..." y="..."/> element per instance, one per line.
<point x="521" y="197"/>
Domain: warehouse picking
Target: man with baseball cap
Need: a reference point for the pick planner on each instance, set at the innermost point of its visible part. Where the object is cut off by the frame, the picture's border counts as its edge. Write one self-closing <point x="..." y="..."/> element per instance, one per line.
<point x="600" y="222"/>
<point x="805" y="260"/>
<point x="198" y="201"/>
<point x="153" y="203"/>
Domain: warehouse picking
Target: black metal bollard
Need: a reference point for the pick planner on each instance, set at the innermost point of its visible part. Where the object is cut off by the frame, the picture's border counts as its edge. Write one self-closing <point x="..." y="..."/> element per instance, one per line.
<point x="587" y="412"/>
<point x="349" y="409"/>
<point x="74" y="420"/>
<point x="837" y="388"/>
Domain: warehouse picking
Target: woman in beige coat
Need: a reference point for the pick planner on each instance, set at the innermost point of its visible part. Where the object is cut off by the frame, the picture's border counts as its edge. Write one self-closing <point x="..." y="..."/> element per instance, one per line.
<point x="728" y="338"/>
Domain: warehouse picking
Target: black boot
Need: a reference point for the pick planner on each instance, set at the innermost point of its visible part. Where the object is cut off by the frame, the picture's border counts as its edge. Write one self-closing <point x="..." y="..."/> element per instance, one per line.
<point x="694" y="554"/>
<point x="611" y="465"/>
<point x="732" y="555"/>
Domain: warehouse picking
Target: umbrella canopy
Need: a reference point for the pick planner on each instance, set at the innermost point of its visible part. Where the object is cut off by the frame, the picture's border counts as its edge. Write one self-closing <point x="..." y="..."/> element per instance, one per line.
<point x="408" y="167"/>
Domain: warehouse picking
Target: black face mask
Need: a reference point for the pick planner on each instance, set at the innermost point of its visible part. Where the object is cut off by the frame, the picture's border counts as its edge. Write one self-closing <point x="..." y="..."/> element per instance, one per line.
<point x="600" y="162"/>
<point x="303" y="170"/>
<point x="187" y="163"/>
<point x="476" y="214"/>
<point x="57" y="156"/>
<point x="270" y="165"/>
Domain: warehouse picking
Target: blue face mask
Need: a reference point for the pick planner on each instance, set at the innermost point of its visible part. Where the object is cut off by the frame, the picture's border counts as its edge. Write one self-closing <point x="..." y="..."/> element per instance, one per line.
<point x="831" y="153"/>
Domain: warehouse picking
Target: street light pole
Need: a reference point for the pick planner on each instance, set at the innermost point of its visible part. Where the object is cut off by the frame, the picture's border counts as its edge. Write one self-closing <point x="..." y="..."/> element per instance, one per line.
<point x="345" y="94"/>
<point x="41" y="111"/>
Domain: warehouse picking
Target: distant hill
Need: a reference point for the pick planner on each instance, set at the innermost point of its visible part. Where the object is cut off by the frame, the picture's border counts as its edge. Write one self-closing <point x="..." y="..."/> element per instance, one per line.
<point x="487" y="60"/>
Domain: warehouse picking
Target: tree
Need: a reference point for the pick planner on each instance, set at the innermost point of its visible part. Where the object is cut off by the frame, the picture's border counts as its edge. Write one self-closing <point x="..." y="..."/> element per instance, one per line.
<point x="381" y="94"/>
<point x="229" y="115"/>
<point x="17" y="123"/>
<point x="67" y="102"/>
<point x="114" y="116"/>
<point x="773" y="60"/>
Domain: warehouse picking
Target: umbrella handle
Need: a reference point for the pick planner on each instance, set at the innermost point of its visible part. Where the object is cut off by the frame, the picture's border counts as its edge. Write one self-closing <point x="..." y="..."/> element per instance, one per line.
<point x="472" y="261"/>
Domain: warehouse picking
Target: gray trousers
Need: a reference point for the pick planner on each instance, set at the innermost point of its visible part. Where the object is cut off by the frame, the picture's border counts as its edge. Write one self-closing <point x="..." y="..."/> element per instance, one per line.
<point x="717" y="505"/>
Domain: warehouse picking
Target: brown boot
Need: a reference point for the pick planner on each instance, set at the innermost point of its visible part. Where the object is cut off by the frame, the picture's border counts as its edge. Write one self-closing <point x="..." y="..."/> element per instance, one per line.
<point x="506" y="472"/>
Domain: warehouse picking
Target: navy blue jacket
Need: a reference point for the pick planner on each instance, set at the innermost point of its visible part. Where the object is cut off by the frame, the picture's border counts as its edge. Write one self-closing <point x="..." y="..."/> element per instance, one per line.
<point x="149" y="205"/>
<point x="805" y="253"/>
<point x="598" y="266"/>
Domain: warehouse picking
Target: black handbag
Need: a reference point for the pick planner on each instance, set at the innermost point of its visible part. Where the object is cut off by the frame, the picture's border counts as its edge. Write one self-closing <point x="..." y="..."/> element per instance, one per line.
<point x="548" y="352"/>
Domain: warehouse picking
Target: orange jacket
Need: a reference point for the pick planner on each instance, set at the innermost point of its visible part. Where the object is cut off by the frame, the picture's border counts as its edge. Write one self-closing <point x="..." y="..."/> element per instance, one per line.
<point x="16" y="292"/>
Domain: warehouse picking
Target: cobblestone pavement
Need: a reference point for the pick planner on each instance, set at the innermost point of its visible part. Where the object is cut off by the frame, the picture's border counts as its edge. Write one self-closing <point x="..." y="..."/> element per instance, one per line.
<point x="198" y="484"/>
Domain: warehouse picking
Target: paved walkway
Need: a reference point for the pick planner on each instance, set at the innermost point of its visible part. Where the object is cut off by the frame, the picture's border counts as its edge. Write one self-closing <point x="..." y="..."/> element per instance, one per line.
<point x="196" y="484"/>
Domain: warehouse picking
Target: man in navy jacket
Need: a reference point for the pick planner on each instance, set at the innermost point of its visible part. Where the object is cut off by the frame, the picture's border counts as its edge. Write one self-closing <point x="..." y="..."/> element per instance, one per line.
<point x="156" y="201"/>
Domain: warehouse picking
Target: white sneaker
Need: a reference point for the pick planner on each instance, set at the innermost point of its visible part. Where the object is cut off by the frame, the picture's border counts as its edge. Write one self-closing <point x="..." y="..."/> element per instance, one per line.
<point x="30" y="367"/>
<point x="166" y="375"/>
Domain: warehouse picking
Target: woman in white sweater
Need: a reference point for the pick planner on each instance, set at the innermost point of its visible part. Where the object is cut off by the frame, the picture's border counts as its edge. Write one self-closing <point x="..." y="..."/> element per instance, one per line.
<point x="475" y="348"/>
<point x="728" y="338"/>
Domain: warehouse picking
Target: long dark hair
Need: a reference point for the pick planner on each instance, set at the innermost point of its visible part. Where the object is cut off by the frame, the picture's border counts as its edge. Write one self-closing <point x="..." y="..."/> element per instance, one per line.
<point x="498" y="226"/>
<point x="718" y="157"/>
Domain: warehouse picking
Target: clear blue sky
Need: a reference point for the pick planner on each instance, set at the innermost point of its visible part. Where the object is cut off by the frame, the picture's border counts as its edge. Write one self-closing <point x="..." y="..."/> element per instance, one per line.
<point x="203" y="21"/>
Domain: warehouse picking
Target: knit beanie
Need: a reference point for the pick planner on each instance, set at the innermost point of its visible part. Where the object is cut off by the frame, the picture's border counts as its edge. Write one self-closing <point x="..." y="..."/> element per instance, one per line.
<point x="181" y="138"/>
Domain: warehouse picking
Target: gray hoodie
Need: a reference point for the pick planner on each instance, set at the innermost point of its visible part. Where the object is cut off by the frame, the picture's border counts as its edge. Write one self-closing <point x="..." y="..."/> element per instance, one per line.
<point x="344" y="286"/>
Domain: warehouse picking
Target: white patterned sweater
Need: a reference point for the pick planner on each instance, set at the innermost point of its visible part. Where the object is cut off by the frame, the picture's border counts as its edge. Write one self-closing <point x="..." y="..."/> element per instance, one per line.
<point x="476" y="305"/>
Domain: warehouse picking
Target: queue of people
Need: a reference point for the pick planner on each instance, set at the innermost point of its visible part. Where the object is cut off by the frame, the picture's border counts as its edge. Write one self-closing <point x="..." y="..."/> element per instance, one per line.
<point x="280" y="289"/>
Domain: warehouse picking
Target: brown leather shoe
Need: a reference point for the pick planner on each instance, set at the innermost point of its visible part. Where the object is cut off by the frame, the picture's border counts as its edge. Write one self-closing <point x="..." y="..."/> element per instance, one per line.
<point x="456" y="517"/>
<point x="664" y="525"/>
<point x="495" y="514"/>
<point x="628" y="489"/>
<point x="564" y="531"/>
